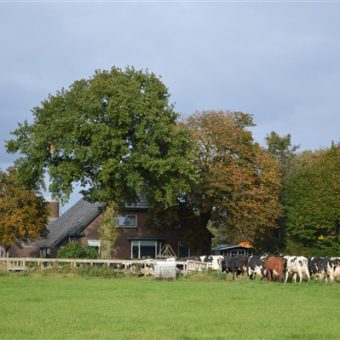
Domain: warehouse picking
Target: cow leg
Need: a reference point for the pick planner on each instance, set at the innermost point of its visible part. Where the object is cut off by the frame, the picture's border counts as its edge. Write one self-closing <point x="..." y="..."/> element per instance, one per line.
<point x="281" y="277"/>
<point x="331" y="275"/>
<point x="286" y="276"/>
<point x="269" y="275"/>
<point x="294" y="278"/>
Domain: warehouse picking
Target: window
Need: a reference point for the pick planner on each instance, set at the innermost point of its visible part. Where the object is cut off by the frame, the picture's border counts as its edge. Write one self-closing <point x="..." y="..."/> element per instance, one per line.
<point x="183" y="251"/>
<point x="127" y="221"/>
<point x="95" y="244"/>
<point x="45" y="252"/>
<point x="144" y="249"/>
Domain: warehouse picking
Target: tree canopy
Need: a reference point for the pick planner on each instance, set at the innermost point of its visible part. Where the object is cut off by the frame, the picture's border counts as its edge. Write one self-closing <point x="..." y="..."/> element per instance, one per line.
<point x="115" y="133"/>
<point x="281" y="148"/>
<point x="119" y="137"/>
<point x="238" y="183"/>
<point x="313" y="203"/>
<point x="237" y="186"/>
<point x="23" y="213"/>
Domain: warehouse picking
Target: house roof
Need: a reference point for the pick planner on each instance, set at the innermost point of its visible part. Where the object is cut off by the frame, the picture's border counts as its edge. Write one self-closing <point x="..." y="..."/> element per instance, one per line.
<point x="78" y="217"/>
<point x="72" y="222"/>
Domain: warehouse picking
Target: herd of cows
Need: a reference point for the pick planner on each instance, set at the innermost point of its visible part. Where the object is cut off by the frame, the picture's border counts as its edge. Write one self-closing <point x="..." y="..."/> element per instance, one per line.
<point x="283" y="268"/>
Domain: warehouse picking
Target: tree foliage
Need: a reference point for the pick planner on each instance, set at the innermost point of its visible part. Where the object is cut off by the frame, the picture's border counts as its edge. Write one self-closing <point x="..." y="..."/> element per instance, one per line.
<point x="115" y="133"/>
<point x="283" y="151"/>
<point x="107" y="230"/>
<point x="313" y="203"/>
<point x="23" y="213"/>
<point x="238" y="183"/>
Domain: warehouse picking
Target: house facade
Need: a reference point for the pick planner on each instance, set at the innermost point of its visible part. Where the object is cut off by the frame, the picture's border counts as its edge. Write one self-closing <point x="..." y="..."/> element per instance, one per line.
<point x="136" y="239"/>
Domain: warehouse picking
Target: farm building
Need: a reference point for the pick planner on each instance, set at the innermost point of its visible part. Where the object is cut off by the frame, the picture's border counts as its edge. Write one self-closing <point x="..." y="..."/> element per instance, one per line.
<point x="233" y="249"/>
<point x="136" y="238"/>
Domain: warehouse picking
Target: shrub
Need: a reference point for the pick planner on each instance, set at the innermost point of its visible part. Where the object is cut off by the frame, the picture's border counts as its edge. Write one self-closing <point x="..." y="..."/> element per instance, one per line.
<point x="77" y="251"/>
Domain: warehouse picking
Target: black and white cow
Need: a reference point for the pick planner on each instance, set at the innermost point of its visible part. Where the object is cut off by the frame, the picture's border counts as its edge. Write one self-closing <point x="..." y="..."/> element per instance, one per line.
<point x="333" y="269"/>
<point x="256" y="267"/>
<point x="327" y="268"/>
<point x="235" y="264"/>
<point x="214" y="261"/>
<point x="296" y="266"/>
<point x="317" y="267"/>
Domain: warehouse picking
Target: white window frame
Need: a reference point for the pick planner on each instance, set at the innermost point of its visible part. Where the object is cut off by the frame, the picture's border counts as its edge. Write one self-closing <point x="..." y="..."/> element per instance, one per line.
<point x="127" y="226"/>
<point x="94" y="243"/>
<point x="139" y="243"/>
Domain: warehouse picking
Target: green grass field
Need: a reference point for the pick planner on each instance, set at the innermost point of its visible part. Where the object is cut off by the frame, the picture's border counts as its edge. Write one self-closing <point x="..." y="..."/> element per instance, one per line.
<point x="38" y="307"/>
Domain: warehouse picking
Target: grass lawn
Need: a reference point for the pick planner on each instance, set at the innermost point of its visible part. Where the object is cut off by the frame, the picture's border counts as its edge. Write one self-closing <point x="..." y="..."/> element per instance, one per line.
<point x="76" y="307"/>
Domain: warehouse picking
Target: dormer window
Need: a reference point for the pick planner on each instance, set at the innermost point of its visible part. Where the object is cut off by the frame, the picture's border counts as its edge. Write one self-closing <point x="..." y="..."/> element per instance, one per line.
<point x="127" y="221"/>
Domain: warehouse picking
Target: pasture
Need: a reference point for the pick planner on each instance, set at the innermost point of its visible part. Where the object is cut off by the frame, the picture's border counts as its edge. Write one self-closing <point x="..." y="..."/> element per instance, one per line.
<point x="56" y="307"/>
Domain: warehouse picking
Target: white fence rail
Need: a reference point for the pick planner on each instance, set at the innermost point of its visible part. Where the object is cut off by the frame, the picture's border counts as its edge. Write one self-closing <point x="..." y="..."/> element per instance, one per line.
<point x="146" y="266"/>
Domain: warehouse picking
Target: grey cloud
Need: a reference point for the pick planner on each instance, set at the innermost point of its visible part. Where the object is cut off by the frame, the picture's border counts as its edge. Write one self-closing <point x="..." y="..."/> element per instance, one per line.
<point x="278" y="61"/>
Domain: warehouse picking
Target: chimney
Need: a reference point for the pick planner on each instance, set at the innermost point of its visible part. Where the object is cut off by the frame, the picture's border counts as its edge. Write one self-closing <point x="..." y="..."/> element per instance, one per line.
<point x="53" y="210"/>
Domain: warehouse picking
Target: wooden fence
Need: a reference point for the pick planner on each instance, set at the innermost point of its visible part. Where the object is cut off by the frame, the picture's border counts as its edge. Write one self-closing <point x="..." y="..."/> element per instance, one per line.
<point x="146" y="266"/>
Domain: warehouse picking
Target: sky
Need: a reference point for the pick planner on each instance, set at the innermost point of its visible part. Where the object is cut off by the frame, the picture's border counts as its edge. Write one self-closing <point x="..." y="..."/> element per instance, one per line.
<point x="279" y="60"/>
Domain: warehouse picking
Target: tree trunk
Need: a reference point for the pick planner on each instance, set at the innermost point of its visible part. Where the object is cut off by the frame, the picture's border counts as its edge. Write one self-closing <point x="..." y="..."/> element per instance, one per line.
<point x="204" y="219"/>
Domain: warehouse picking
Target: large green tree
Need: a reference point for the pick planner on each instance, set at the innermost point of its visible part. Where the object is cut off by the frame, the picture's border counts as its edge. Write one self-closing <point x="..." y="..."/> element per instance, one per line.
<point x="23" y="212"/>
<point x="312" y="203"/>
<point x="281" y="149"/>
<point x="115" y="133"/>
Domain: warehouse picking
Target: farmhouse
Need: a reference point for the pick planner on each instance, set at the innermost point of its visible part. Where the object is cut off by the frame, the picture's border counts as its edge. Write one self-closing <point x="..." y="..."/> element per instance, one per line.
<point x="136" y="237"/>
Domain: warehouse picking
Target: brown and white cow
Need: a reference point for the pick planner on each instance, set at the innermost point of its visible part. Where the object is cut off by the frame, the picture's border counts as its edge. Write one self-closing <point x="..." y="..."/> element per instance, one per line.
<point x="275" y="265"/>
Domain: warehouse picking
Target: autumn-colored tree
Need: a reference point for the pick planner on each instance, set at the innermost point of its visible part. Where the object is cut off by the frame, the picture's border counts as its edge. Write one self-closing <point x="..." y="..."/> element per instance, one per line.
<point x="312" y="203"/>
<point x="238" y="183"/>
<point x="23" y="213"/>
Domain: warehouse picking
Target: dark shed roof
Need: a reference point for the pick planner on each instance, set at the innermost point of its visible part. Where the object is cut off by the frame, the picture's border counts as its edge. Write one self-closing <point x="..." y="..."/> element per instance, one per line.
<point x="229" y="246"/>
